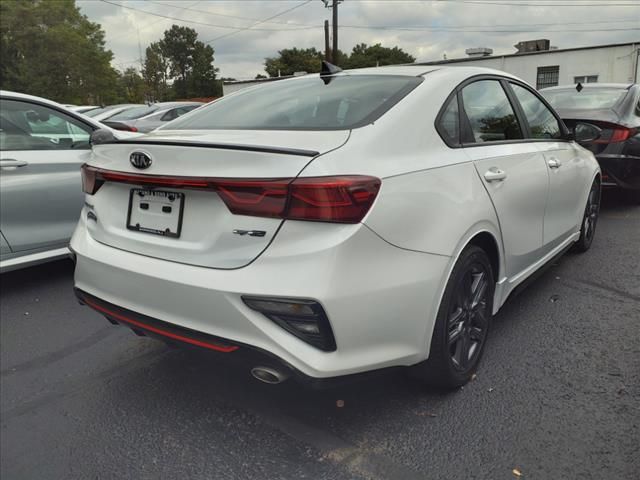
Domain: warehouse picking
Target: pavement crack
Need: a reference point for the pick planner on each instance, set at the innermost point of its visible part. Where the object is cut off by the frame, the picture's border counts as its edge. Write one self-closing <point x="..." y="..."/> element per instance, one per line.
<point x="615" y="291"/>
<point x="49" y="358"/>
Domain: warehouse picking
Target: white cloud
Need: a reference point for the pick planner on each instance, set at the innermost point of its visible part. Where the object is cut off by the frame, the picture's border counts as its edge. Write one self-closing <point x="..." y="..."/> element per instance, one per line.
<point x="242" y="54"/>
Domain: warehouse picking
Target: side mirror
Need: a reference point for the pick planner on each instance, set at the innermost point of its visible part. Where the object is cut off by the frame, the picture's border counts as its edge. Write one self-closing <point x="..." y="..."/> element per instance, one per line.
<point x="102" y="135"/>
<point x="586" y="132"/>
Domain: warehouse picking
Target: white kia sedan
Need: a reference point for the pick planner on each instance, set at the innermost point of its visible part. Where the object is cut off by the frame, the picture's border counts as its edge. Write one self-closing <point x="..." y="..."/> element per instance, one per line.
<point x="339" y="223"/>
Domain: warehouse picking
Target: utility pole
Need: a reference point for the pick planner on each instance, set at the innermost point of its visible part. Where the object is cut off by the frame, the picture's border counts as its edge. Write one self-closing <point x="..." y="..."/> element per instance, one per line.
<point x="333" y="4"/>
<point x="334" y="49"/>
<point x="327" y="51"/>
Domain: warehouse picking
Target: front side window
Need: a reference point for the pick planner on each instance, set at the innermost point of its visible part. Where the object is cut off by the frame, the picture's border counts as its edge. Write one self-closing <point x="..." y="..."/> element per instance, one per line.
<point x="28" y="126"/>
<point x="310" y="103"/>
<point x="542" y="123"/>
<point x="489" y="111"/>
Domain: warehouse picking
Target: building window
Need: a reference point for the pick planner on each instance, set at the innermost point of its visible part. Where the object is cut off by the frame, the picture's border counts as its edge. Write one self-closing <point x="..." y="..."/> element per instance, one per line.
<point x="547" y="77"/>
<point x="586" y="79"/>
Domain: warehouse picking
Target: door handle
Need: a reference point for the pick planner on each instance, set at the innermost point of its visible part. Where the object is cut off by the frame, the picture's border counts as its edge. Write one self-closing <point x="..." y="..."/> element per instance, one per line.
<point x="494" y="174"/>
<point x="553" y="163"/>
<point x="12" y="163"/>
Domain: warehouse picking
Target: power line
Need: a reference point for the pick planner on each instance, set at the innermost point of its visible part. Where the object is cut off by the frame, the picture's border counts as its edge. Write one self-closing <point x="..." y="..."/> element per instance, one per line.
<point x="218" y="14"/>
<point x="482" y="2"/>
<point x="306" y="25"/>
<point x="195" y="22"/>
<point x="511" y="3"/>
<point x="250" y="27"/>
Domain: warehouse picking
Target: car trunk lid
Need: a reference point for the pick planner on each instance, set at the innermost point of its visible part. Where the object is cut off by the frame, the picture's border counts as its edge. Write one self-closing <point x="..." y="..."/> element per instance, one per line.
<point x="154" y="211"/>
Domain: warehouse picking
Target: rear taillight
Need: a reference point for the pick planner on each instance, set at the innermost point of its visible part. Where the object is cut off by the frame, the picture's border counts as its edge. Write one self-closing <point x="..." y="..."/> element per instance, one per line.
<point x="332" y="199"/>
<point x="90" y="182"/>
<point x="612" y="133"/>
<point x="340" y="199"/>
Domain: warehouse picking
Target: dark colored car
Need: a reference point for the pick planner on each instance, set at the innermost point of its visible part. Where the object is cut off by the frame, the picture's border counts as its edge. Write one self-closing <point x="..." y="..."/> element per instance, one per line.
<point x="615" y="109"/>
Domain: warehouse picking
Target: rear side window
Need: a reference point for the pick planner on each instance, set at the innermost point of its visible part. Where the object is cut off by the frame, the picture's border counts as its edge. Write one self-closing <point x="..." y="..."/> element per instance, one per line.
<point x="542" y="122"/>
<point x="136" y="112"/>
<point x="449" y="122"/>
<point x="345" y="102"/>
<point x="490" y="113"/>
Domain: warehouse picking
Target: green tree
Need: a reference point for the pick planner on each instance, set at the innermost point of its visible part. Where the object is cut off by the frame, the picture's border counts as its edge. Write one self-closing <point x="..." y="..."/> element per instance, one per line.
<point x="202" y="78"/>
<point x="156" y="74"/>
<point x="180" y="66"/>
<point x="133" y="86"/>
<point x="49" y="48"/>
<point x="363" y="55"/>
<point x="292" y="60"/>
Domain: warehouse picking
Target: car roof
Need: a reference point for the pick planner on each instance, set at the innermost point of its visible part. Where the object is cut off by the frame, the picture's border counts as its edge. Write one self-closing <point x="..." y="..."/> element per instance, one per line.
<point x="24" y="96"/>
<point x="175" y="104"/>
<point x="51" y="103"/>
<point x="419" y="70"/>
<point x="621" y="86"/>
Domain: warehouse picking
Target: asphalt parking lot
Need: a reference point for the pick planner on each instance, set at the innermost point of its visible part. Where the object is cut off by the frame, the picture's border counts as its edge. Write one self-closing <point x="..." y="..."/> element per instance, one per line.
<point x="557" y="395"/>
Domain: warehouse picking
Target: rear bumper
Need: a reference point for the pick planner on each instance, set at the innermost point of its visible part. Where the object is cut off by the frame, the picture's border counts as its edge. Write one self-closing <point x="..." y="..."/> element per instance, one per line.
<point x="245" y="355"/>
<point x="620" y="170"/>
<point x="381" y="300"/>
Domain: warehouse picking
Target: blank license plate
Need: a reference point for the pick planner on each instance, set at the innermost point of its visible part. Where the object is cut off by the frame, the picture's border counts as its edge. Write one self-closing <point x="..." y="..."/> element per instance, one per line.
<point x="155" y="211"/>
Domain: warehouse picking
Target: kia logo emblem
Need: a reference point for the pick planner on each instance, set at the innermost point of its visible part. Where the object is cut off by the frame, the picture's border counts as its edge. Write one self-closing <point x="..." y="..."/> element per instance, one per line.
<point x="140" y="160"/>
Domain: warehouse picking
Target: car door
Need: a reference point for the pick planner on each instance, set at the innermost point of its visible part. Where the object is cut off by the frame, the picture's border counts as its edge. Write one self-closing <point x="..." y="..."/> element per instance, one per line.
<point x="513" y="171"/>
<point x="565" y="164"/>
<point x="41" y="151"/>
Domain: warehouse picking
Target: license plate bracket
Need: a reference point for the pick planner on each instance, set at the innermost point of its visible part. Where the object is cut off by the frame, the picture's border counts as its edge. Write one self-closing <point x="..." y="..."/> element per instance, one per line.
<point x="157" y="212"/>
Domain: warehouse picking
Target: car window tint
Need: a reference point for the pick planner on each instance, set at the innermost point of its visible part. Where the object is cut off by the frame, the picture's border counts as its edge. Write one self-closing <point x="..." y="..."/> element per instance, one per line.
<point x="170" y="115"/>
<point x="542" y="122"/>
<point x="490" y="114"/>
<point x="27" y="126"/>
<point x="136" y="112"/>
<point x="306" y="103"/>
<point x="449" y="122"/>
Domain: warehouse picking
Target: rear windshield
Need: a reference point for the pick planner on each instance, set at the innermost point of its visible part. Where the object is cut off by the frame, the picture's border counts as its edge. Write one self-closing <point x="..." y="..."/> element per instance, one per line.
<point x="303" y="104"/>
<point x="588" y="98"/>
<point x="133" y="113"/>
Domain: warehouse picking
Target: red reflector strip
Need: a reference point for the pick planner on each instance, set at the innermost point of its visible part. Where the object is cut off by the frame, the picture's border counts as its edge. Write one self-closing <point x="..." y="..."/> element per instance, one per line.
<point x="153" y="180"/>
<point x="164" y="333"/>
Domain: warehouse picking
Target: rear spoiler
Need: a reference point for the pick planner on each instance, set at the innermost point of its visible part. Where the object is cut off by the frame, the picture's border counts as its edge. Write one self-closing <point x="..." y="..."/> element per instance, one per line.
<point x="104" y="137"/>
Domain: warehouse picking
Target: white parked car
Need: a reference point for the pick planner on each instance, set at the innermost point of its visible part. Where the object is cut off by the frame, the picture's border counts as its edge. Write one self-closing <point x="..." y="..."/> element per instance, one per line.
<point x="338" y="223"/>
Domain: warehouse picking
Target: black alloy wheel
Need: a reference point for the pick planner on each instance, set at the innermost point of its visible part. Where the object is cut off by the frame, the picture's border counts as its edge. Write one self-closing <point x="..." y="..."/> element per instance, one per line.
<point x="590" y="218"/>
<point x="468" y="317"/>
<point x="462" y="324"/>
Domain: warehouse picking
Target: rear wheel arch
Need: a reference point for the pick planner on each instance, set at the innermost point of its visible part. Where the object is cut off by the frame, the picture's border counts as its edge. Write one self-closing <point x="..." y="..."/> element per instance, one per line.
<point x="488" y="243"/>
<point x="483" y="236"/>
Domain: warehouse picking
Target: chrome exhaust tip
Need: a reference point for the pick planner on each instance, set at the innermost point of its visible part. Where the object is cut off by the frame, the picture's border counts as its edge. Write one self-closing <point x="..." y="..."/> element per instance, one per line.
<point x="268" y="375"/>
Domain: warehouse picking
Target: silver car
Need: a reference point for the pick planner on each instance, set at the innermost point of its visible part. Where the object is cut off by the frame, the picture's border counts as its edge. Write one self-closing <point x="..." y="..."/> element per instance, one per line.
<point x="148" y="118"/>
<point x="42" y="146"/>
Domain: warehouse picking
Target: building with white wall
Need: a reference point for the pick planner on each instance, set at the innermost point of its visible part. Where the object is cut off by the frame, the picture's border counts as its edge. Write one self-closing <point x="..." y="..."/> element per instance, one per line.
<point x="615" y="63"/>
<point x="537" y="63"/>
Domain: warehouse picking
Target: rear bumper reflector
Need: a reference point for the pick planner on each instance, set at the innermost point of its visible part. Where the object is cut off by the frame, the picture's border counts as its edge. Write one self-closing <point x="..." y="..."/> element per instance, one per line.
<point x="160" y="328"/>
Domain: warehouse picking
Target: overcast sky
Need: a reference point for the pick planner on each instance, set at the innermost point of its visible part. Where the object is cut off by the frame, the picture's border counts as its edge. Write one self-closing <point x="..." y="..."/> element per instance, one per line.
<point x="426" y="29"/>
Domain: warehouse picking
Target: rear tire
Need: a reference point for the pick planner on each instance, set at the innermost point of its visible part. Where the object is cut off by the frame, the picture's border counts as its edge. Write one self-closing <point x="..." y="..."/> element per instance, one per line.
<point x="589" y="219"/>
<point x="462" y="324"/>
<point x="632" y="197"/>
